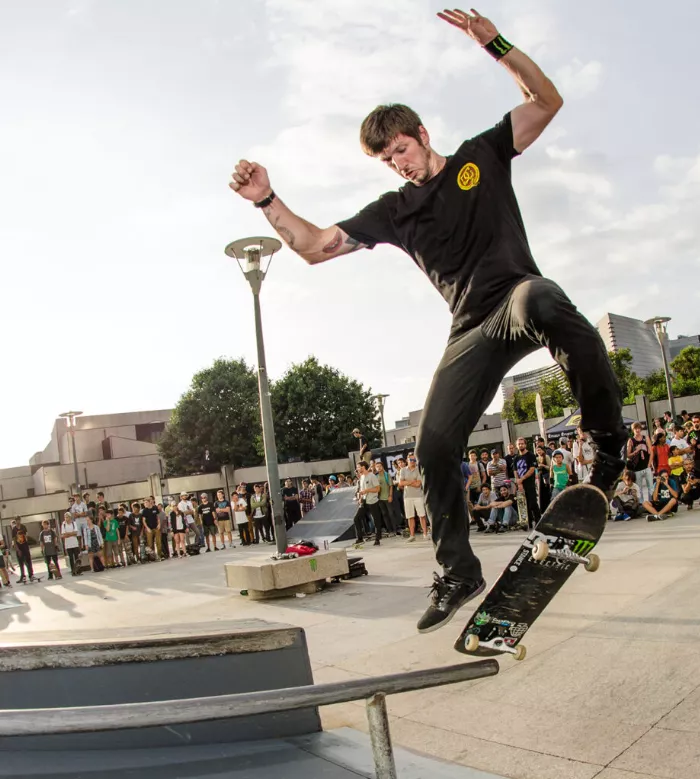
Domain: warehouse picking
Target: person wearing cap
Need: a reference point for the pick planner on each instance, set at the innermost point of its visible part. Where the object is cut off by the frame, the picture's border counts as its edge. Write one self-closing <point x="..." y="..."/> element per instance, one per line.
<point x="365" y="453"/>
<point x="210" y="524"/>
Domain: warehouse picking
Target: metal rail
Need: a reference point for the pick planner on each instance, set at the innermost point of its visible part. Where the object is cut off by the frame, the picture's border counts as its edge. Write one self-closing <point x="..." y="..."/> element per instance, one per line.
<point x="84" y="719"/>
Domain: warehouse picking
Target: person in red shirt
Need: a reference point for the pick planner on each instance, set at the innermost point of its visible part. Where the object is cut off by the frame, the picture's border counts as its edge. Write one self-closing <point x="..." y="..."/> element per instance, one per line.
<point x="660" y="451"/>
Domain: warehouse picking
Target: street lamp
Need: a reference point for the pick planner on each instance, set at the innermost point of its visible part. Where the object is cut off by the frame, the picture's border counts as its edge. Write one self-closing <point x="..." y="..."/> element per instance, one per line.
<point x="70" y="416"/>
<point x="251" y="252"/>
<point x="659" y="324"/>
<point x="380" y="403"/>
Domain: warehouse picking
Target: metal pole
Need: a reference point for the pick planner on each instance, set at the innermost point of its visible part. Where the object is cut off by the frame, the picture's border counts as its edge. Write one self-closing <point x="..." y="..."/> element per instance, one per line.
<point x="75" y="456"/>
<point x="268" y="430"/>
<point x="667" y="373"/>
<point x="380" y="737"/>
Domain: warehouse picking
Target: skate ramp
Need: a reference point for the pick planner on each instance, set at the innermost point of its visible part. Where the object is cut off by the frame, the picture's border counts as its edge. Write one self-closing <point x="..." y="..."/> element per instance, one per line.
<point x="331" y="520"/>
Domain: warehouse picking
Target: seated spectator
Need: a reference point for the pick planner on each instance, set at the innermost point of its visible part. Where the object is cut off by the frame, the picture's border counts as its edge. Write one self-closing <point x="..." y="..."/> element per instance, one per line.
<point x="560" y="473"/>
<point x="664" y="500"/>
<point x="675" y="464"/>
<point x="481" y="510"/>
<point x="627" y="500"/>
<point x="689" y="482"/>
<point x="503" y="514"/>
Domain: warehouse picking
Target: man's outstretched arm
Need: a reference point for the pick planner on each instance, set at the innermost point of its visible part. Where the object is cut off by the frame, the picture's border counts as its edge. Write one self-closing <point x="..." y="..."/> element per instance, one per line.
<point x="542" y="101"/>
<point x="313" y="244"/>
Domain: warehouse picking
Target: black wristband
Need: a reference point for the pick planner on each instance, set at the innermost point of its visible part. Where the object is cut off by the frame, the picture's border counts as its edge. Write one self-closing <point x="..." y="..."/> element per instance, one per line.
<point x="266" y="202"/>
<point x="498" y="47"/>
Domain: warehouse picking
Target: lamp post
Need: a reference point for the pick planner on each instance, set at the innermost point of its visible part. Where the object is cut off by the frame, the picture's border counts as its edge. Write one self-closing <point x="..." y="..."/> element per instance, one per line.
<point x="380" y="403"/>
<point x="70" y="417"/>
<point x="659" y="324"/>
<point x="251" y="252"/>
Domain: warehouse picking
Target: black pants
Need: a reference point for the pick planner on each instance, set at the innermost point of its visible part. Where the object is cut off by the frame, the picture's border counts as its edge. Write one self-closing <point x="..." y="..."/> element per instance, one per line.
<point x="360" y="522"/>
<point x="535" y="313"/>
<point x="52" y="558"/>
<point x="25" y="559"/>
<point x="688" y="498"/>
<point x="387" y="516"/>
<point x="246" y="533"/>
<point x="165" y="550"/>
<point x="533" y="507"/>
<point x="73" y="553"/>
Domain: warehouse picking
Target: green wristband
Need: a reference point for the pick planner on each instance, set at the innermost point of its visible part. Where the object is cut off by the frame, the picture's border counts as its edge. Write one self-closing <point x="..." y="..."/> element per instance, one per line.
<point x="498" y="47"/>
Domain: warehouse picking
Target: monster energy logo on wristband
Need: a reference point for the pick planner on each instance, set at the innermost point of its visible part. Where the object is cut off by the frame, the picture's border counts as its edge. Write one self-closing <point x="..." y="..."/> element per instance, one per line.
<point x="498" y="47"/>
<point x="583" y="547"/>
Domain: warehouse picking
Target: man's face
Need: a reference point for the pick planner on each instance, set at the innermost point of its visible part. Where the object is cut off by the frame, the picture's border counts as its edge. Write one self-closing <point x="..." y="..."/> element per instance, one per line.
<point x="484" y="457"/>
<point x="220" y="495"/>
<point x="688" y="465"/>
<point x="409" y="157"/>
<point x="411" y="462"/>
<point x="696" y="423"/>
<point x="205" y="499"/>
<point x="496" y="456"/>
<point x="558" y="459"/>
<point x="581" y="434"/>
<point x="503" y="492"/>
<point x="511" y="449"/>
<point x="379" y="468"/>
<point x="522" y="446"/>
<point x="486" y="490"/>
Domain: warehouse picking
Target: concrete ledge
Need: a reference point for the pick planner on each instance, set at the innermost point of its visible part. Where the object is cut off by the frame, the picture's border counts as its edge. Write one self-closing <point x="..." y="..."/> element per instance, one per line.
<point x="262" y="576"/>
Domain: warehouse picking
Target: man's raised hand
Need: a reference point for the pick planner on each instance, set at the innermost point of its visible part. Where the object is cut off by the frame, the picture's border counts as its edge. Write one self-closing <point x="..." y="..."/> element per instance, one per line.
<point x="476" y="26"/>
<point x="251" y="181"/>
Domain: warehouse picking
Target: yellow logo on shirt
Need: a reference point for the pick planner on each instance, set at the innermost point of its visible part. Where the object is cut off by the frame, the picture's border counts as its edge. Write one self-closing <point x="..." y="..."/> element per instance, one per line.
<point x="469" y="176"/>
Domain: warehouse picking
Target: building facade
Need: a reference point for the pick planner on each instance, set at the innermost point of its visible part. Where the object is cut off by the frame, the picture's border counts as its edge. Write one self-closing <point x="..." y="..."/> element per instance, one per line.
<point x="530" y="380"/>
<point x="624" y="332"/>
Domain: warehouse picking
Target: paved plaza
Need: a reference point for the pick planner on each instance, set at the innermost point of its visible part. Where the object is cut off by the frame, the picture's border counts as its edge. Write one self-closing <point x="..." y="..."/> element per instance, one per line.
<point x="610" y="687"/>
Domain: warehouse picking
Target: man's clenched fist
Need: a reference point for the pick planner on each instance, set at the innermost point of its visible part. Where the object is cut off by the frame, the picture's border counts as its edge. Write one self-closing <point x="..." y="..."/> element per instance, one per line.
<point x="251" y="181"/>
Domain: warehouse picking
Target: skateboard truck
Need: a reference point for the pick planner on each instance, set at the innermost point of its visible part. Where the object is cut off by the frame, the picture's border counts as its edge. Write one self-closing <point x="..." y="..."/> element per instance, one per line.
<point x="541" y="551"/>
<point x="497" y="644"/>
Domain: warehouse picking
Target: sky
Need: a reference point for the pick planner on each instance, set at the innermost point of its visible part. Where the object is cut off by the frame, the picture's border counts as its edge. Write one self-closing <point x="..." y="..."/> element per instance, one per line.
<point x="122" y="121"/>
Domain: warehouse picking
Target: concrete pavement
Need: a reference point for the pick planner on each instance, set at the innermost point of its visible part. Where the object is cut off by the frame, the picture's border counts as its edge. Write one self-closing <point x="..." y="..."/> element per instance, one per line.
<point x="610" y="687"/>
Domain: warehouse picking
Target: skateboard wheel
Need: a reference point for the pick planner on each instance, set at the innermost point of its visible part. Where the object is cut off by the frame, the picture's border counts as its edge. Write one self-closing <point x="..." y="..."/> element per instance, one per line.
<point x="593" y="563"/>
<point x="472" y="643"/>
<point x="520" y="652"/>
<point x="540" y="551"/>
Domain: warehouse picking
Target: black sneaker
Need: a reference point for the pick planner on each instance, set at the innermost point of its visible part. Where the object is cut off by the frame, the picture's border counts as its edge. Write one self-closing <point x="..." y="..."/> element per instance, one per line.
<point x="447" y="597"/>
<point x="605" y="471"/>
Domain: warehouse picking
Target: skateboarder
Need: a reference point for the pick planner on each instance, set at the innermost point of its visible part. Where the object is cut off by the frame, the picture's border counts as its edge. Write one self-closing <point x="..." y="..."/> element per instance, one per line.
<point x="458" y="219"/>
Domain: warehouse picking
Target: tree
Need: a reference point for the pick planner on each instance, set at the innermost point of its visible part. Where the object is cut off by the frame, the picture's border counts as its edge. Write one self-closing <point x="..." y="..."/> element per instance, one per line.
<point x="216" y="422"/>
<point x="686" y="366"/>
<point x="316" y="407"/>
<point x="556" y="396"/>
<point x="627" y="379"/>
<point x="520" y="407"/>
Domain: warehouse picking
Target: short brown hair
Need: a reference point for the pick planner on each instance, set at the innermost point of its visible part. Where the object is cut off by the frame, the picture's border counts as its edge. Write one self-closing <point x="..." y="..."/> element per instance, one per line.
<point x="383" y="124"/>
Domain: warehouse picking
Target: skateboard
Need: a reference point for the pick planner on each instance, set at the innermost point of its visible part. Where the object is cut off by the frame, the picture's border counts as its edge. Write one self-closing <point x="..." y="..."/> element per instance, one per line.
<point x="562" y="540"/>
<point x="53" y="570"/>
<point x="521" y="503"/>
<point x="30" y="580"/>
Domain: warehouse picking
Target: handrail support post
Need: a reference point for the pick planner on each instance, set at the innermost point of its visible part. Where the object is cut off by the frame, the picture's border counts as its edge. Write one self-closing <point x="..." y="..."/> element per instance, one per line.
<point x="380" y="737"/>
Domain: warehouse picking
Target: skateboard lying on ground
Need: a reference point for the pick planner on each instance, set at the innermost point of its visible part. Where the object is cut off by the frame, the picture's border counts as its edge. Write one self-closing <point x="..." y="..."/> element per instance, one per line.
<point x="562" y="540"/>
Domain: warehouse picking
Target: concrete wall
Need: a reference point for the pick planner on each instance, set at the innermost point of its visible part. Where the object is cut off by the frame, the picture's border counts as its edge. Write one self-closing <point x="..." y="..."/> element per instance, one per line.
<point x="124" y="447"/>
<point x="14" y="482"/>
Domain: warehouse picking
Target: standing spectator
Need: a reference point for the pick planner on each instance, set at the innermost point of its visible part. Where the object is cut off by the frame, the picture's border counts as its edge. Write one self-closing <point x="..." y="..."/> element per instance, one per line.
<point x="124" y="539"/>
<point x="224" y="519"/>
<point x="524" y="467"/>
<point x="481" y="510"/>
<point x="269" y="520"/>
<point x="111" y="539"/>
<point x="342" y="481"/>
<point x="497" y="471"/>
<point x="474" y="475"/>
<point x="689" y="484"/>
<point x="680" y="441"/>
<point x="627" y="500"/>
<point x="317" y="488"/>
<point x="163" y="528"/>
<point x="660" y="452"/>
<point x="397" y="465"/>
<point x="210" y="525"/>
<point x="20" y="541"/>
<point x="386" y="497"/>
<point x="241" y="511"/>
<point x="292" y="507"/>
<point x="638" y="460"/>
<point x="664" y="499"/>
<point x="306" y="496"/>
<point x="70" y="533"/>
<point x="258" y="508"/>
<point x="657" y="426"/>
<point x="503" y="514"/>
<point x="413" y="497"/>
<point x="694" y="441"/>
<point x="135" y="527"/>
<point x="560" y="474"/>
<point x="91" y="506"/>
<point x="364" y="453"/>
<point x="186" y="508"/>
<point x="685" y="418"/>
<point x="5" y="564"/>
<point x="484" y="457"/>
<point x="79" y="510"/>
<point x="178" y="523"/>
<point x="151" y="528"/>
<point x="369" y="492"/>
<point x="95" y="543"/>
<point x="583" y="454"/>
<point x="544" y="464"/>
<point x="668" y="423"/>
<point x="48" y="540"/>
<point x="568" y="458"/>
<point x="509" y="458"/>
<point x="101" y="502"/>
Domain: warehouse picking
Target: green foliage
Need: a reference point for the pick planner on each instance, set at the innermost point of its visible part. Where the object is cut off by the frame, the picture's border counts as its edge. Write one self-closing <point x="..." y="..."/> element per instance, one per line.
<point x="520" y="407"/>
<point x="220" y="415"/>
<point x="316" y="407"/>
<point x="628" y="380"/>
<point x="686" y="366"/>
<point x="685" y="372"/>
<point x="556" y="396"/>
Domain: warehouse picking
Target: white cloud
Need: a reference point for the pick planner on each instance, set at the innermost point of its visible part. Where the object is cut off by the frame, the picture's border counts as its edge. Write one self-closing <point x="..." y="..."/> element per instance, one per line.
<point x="578" y="79"/>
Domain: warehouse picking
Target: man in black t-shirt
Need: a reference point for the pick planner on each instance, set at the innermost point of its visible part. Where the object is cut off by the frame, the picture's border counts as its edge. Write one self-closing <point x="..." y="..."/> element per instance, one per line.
<point x="151" y="527"/>
<point x="689" y="484"/>
<point x="524" y="469"/>
<point x="210" y="525"/>
<point x="458" y="219"/>
<point x="664" y="499"/>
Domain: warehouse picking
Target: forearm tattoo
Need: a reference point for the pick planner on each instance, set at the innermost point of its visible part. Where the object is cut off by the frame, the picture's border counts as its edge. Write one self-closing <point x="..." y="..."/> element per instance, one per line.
<point x="282" y="231"/>
<point x="337" y="242"/>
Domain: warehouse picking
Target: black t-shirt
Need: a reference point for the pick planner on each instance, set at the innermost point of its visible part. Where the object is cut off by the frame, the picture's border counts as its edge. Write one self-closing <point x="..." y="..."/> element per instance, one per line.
<point x="522" y="464"/>
<point x="150" y="517"/>
<point x="123" y="522"/>
<point x="220" y="513"/>
<point x="290" y="492"/>
<point x="509" y="465"/>
<point x="693" y="438"/>
<point x="683" y="478"/>
<point x="134" y="522"/>
<point x="640" y="460"/>
<point x="206" y="512"/>
<point x="664" y="493"/>
<point x="19" y="535"/>
<point x="50" y="541"/>
<point x="462" y="228"/>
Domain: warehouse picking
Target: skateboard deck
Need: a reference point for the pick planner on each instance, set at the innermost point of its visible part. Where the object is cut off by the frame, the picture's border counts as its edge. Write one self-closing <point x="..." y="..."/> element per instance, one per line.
<point x="521" y="503"/>
<point x="562" y="540"/>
